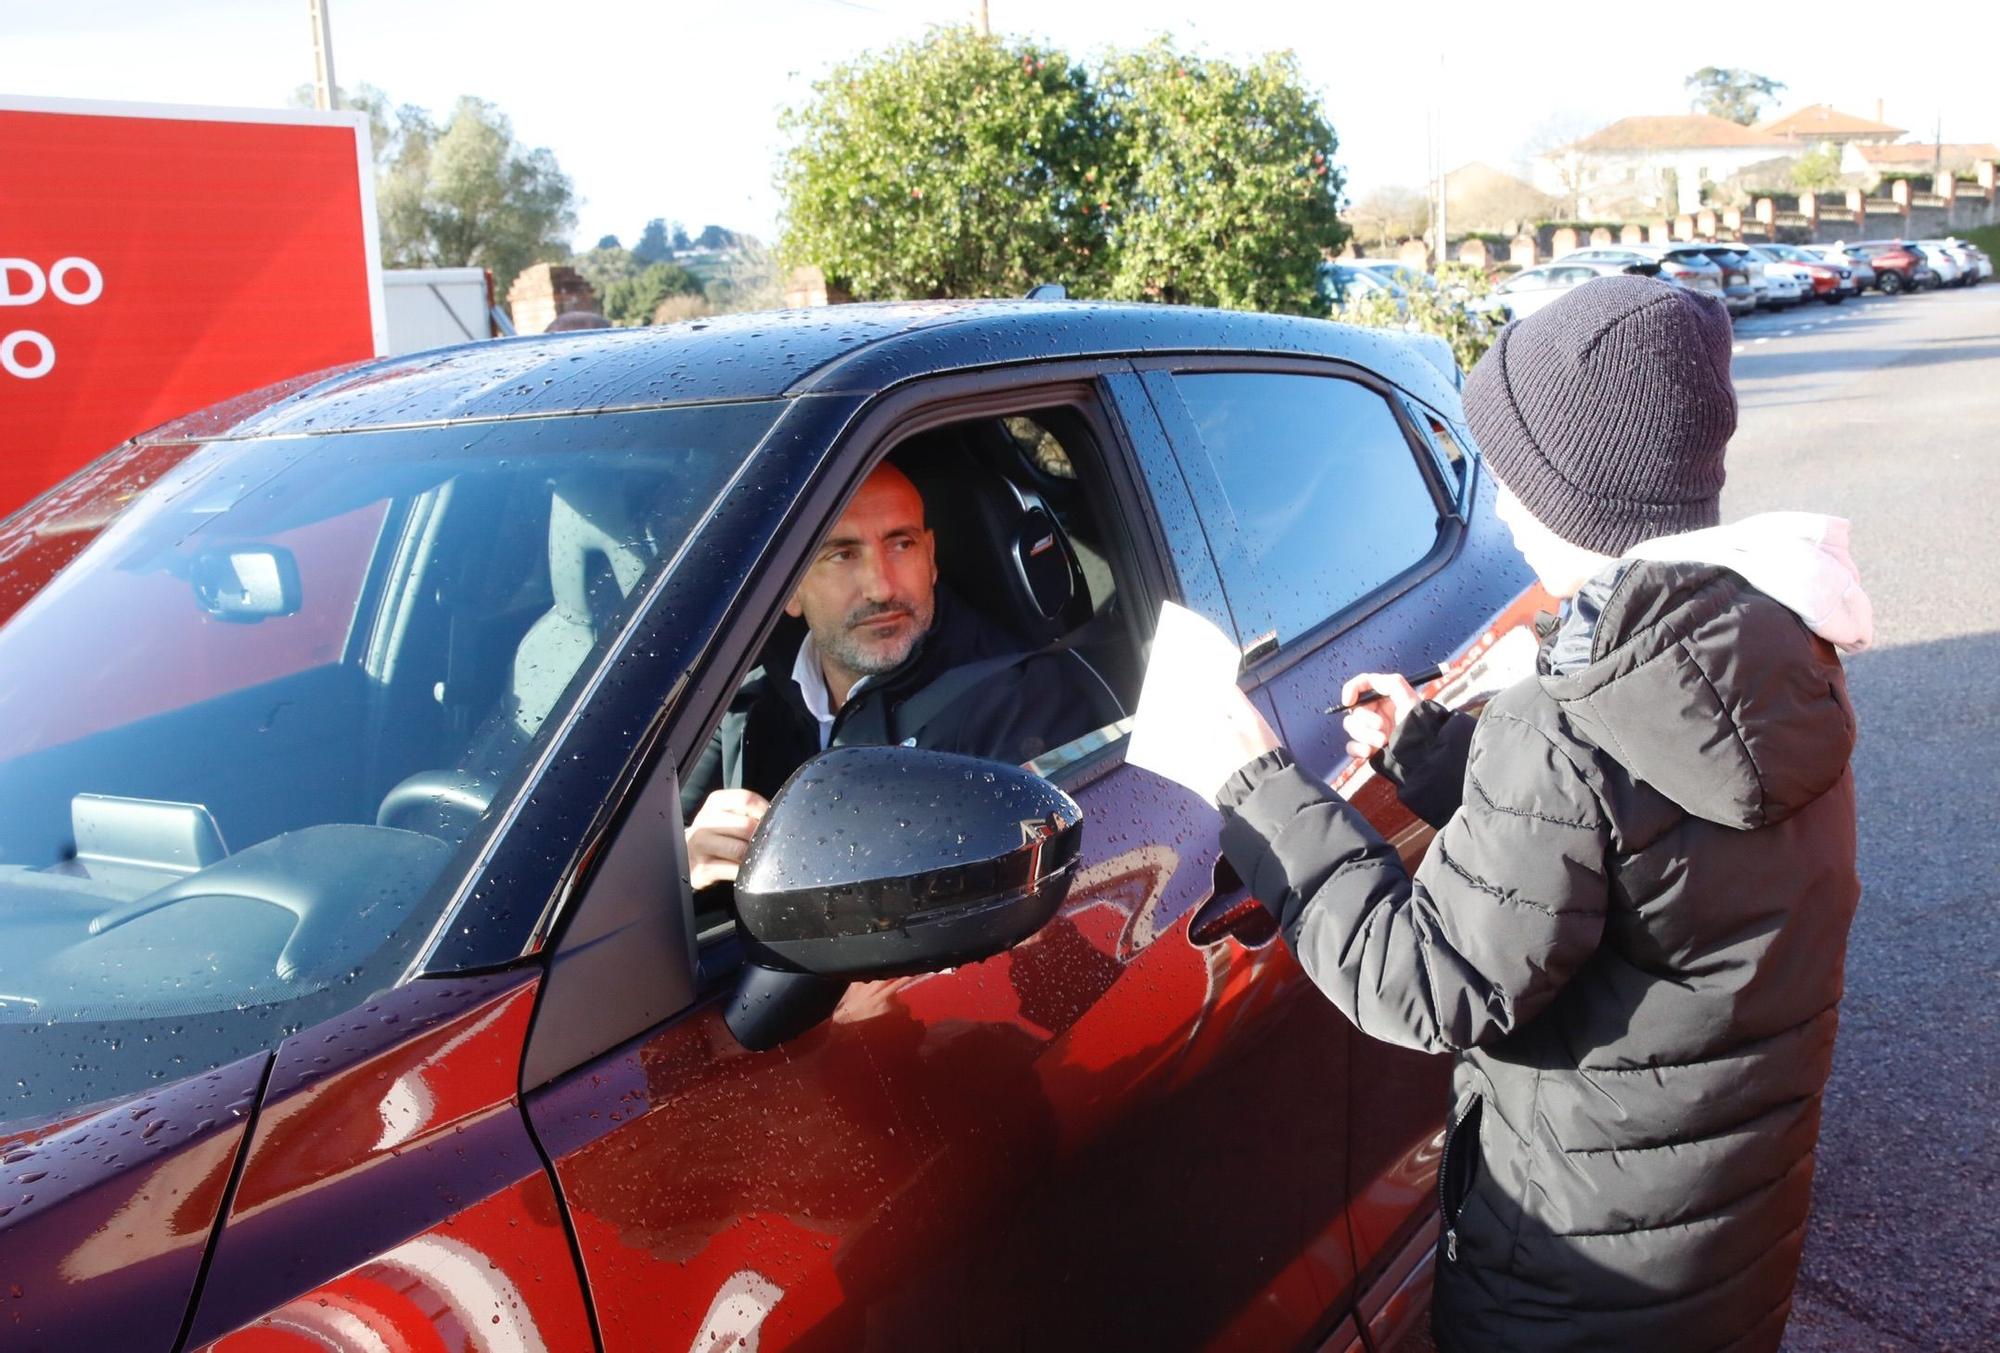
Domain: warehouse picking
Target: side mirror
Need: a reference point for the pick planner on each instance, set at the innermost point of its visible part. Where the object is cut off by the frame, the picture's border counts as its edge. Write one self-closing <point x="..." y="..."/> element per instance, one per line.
<point x="245" y="584"/>
<point x="882" y="861"/>
<point x="877" y="862"/>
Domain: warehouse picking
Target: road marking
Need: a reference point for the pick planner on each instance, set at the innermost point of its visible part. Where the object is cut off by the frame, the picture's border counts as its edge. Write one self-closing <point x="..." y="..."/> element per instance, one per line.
<point x="1760" y="340"/>
<point x="1785" y="333"/>
<point x="1737" y="348"/>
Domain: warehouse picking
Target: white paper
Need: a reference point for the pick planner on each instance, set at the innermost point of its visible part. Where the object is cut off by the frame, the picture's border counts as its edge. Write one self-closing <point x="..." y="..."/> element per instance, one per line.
<point x="1193" y="668"/>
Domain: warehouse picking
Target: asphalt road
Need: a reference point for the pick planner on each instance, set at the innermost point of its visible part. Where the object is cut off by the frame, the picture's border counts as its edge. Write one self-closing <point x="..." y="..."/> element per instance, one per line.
<point x="1887" y="412"/>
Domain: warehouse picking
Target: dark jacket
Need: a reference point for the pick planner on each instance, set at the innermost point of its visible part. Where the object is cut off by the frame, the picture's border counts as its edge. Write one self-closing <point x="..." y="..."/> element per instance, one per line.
<point x="1631" y="935"/>
<point x="1014" y="714"/>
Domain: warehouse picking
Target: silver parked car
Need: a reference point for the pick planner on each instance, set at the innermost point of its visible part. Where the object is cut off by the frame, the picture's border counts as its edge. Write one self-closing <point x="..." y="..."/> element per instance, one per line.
<point x="1529" y="290"/>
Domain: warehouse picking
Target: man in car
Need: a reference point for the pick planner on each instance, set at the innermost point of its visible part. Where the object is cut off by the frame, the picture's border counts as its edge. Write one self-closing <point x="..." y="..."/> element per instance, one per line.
<point x="889" y="656"/>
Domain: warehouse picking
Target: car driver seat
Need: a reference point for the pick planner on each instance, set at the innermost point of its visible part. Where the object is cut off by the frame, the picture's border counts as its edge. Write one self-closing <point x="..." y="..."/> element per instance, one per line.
<point x="1000" y="547"/>
<point x="598" y="549"/>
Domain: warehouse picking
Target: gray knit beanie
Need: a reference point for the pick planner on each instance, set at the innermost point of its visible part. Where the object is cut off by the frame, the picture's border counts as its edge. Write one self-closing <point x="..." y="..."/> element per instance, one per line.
<point x="1607" y="413"/>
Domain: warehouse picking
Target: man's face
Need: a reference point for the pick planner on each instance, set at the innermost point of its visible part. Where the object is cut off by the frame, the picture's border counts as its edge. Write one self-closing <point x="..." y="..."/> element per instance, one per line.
<point x="868" y="596"/>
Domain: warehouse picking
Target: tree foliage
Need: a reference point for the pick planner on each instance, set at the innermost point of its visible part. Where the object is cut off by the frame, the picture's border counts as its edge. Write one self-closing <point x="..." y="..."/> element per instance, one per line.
<point x="1726" y="92"/>
<point x="1818" y="170"/>
<point x="606" y="266"/>
<point x="1440" y="307"/>
<point x="635" y="299"/>
<point x="957" y="165"/>
<point x="963" y="165"/>
<point x="462" y="193"/>
<point x="1389" y="215"/>
<point x="656" y="241"/>
<point x="1227" y="193"/>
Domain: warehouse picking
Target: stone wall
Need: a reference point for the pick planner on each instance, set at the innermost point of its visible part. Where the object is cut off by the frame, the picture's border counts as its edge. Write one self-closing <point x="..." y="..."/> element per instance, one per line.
<point x="544" y="291"/>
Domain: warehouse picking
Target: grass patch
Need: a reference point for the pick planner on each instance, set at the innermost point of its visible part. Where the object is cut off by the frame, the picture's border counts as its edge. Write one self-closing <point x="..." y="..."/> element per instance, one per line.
<point x="1987" y="238"/>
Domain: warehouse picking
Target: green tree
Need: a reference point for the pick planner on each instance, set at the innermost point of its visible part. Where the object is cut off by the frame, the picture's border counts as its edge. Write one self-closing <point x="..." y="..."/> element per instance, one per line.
<point x="1738" y="95"/>
<point x="605" y="267"/>
<point x="1227" y="193"/>
<point x="656" y="243"/>
<point x="957" y="165"/>
<point x="1818" y="169"/>
<point x="633" y="300"/>
<point x="467" y="194"/>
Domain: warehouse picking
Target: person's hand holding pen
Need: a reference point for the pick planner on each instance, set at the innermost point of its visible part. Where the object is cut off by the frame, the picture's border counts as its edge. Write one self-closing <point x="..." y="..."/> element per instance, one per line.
<point x="1368" y="725"/>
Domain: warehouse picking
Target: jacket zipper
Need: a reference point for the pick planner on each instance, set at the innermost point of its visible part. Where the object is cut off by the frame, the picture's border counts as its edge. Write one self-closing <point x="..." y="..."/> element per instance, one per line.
<point x="1444" y="1175"/>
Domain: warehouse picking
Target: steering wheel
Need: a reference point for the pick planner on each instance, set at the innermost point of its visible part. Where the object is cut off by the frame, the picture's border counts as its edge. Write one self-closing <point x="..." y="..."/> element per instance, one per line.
<point x="440" y="803"/>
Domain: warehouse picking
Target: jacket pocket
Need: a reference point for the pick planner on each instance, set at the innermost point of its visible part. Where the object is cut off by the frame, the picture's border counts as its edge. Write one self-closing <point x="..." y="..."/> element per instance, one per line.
<point x="1458" y="1170"/>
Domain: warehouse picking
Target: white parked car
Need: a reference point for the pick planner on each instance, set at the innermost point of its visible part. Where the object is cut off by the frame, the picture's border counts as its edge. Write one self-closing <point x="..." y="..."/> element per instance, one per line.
<point x="1682" y="264"/>
<point x="1532" y="288"/>
<point x="1942" y="261"/>
<point x="1962" y="259"/>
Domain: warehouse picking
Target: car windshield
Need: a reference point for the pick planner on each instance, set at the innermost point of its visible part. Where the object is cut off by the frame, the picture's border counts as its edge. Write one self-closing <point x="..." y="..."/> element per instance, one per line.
<point x="256" y="693"/>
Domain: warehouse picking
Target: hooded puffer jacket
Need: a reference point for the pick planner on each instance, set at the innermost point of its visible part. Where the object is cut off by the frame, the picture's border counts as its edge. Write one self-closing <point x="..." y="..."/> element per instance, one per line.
<point x="1631" y="933"/>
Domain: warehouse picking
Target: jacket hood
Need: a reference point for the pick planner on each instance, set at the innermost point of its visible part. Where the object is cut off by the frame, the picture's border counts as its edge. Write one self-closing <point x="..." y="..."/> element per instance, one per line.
<point x="1722" y="696"/>
<point x="1799" y="559"/>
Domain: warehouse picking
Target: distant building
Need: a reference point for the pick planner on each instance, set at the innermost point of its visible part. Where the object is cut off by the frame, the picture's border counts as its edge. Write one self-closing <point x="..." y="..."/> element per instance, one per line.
<point x="1652" y="166"/>
<point x="1820" y="123"/>
<point x="1916" y="157"/>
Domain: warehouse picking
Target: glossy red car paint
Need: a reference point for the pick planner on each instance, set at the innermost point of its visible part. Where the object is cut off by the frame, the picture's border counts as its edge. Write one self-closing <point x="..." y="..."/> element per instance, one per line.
<point x="106" y="1217"/>
<point x="949" y="1142"/>
<point x="394" y="1137"/>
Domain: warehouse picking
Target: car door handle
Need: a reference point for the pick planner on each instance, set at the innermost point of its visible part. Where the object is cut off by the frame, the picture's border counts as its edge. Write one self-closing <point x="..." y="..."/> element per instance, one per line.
<point x="1231" y="913"/>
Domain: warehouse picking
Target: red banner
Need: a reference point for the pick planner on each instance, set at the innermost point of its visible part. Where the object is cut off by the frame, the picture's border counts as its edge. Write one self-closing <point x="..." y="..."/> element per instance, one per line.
<point x="155" y="260"/>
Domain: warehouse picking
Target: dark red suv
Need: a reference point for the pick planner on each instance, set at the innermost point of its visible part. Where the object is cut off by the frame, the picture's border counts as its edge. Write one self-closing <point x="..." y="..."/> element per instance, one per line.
<point x="1898" y="267"/>
<point x="352" y="991"/>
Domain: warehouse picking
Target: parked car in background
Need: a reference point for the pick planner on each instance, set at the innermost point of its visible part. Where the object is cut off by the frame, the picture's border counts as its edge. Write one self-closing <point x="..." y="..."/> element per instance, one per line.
<point x="1898" y="266"/>
<point x="1944" y="262"/>
<point x="1963" y="260"/>
<point x="1821" y="280"/>
<point x="1743" y="285"/>
<point x="1343" y="282"/>
<point x="1683" y="265"/>
<point x="1979" y="257"/>
<point x="1392" y="271"/>
<point x="353" y="994"/>
<point x="1841" y="256"/>
<point x="1532" y="288"/>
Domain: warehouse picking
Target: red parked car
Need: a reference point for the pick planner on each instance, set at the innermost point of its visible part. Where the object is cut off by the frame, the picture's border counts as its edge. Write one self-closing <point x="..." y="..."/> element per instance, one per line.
<point x="352" y="991"/>
<point x="1898" y="268"/>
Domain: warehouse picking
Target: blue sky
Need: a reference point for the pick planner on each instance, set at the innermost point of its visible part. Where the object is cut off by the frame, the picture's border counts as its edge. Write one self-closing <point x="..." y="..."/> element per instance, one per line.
<point x="671" y="109"/>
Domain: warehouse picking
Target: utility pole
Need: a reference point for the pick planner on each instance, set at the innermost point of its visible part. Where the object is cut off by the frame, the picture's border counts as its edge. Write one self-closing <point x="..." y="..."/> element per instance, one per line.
<point x="1437" y="159"/>
<point x="326" y="94"/>
<point x="985" y="23"/>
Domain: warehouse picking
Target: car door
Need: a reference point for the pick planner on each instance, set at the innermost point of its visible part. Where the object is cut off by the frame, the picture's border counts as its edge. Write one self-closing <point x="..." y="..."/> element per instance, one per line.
<point x="1350" y="536"/>
<point x="1105" y="1137"/>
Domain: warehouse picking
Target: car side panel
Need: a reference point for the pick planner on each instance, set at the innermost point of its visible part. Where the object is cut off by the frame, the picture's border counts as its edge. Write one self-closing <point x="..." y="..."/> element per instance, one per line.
<point x="391" y="1178"/>
<point x="1009" y="1151"/>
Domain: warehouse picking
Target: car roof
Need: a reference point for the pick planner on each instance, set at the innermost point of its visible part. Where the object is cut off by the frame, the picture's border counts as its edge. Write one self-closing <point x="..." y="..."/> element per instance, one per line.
<point x="845" y="349"/>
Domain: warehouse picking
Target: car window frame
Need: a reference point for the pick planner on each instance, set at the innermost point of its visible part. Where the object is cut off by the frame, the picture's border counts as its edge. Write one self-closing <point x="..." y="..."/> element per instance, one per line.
<point x="1151" y="573"/>
<point x="1267" y="657"/>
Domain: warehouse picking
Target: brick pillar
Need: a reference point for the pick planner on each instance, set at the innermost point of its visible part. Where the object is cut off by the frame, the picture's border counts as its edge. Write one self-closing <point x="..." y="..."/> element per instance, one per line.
<point x="1566" y="241"/>
<point x="1600" y="236"/>
<point x="1766" y="212"/>
<point x="1809" y="208"/>
<point x="1415" y="253"/>
<point x="1684" y="227"/>
<point x="544" y="291"/>
<point x="1988" y="174"/>
<point x="1732" y="221"/>
<point x="1475" y="253"/>
<point x="1704" y="223"/>
<point x="1660" y="232"/>
<point x="1857" y="202"/>
<point x="1631" y="233"/>
<point x="1524" y="251"/>
<point x="1899" y="193"/>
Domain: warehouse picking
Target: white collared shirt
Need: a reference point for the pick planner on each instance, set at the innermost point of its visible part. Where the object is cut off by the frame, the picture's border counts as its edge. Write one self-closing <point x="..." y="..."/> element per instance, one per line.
<point x="811" y="681"/>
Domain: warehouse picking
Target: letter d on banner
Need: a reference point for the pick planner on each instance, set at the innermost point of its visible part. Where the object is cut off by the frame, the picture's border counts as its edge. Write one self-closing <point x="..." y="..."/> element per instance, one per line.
<point x="38" y="283"/>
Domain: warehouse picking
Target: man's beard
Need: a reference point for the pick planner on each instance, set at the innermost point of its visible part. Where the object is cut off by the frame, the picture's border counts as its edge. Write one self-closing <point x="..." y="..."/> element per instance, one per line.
<point x="852" y="651"/>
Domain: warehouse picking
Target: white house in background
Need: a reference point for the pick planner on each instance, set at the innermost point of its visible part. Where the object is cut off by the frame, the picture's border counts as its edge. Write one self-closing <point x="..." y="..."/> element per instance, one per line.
<point x="1641" y="166"/>
<point x="1821" y="122"/>
<point x="1916" y="157"/>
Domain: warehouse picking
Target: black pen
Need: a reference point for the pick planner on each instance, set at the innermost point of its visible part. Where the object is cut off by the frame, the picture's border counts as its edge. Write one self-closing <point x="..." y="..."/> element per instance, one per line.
<point x="1414" y="678"/>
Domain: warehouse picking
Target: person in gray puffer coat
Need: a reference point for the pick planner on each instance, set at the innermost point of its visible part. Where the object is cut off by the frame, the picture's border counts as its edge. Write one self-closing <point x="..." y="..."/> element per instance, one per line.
<point x="1631" y="926"/>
